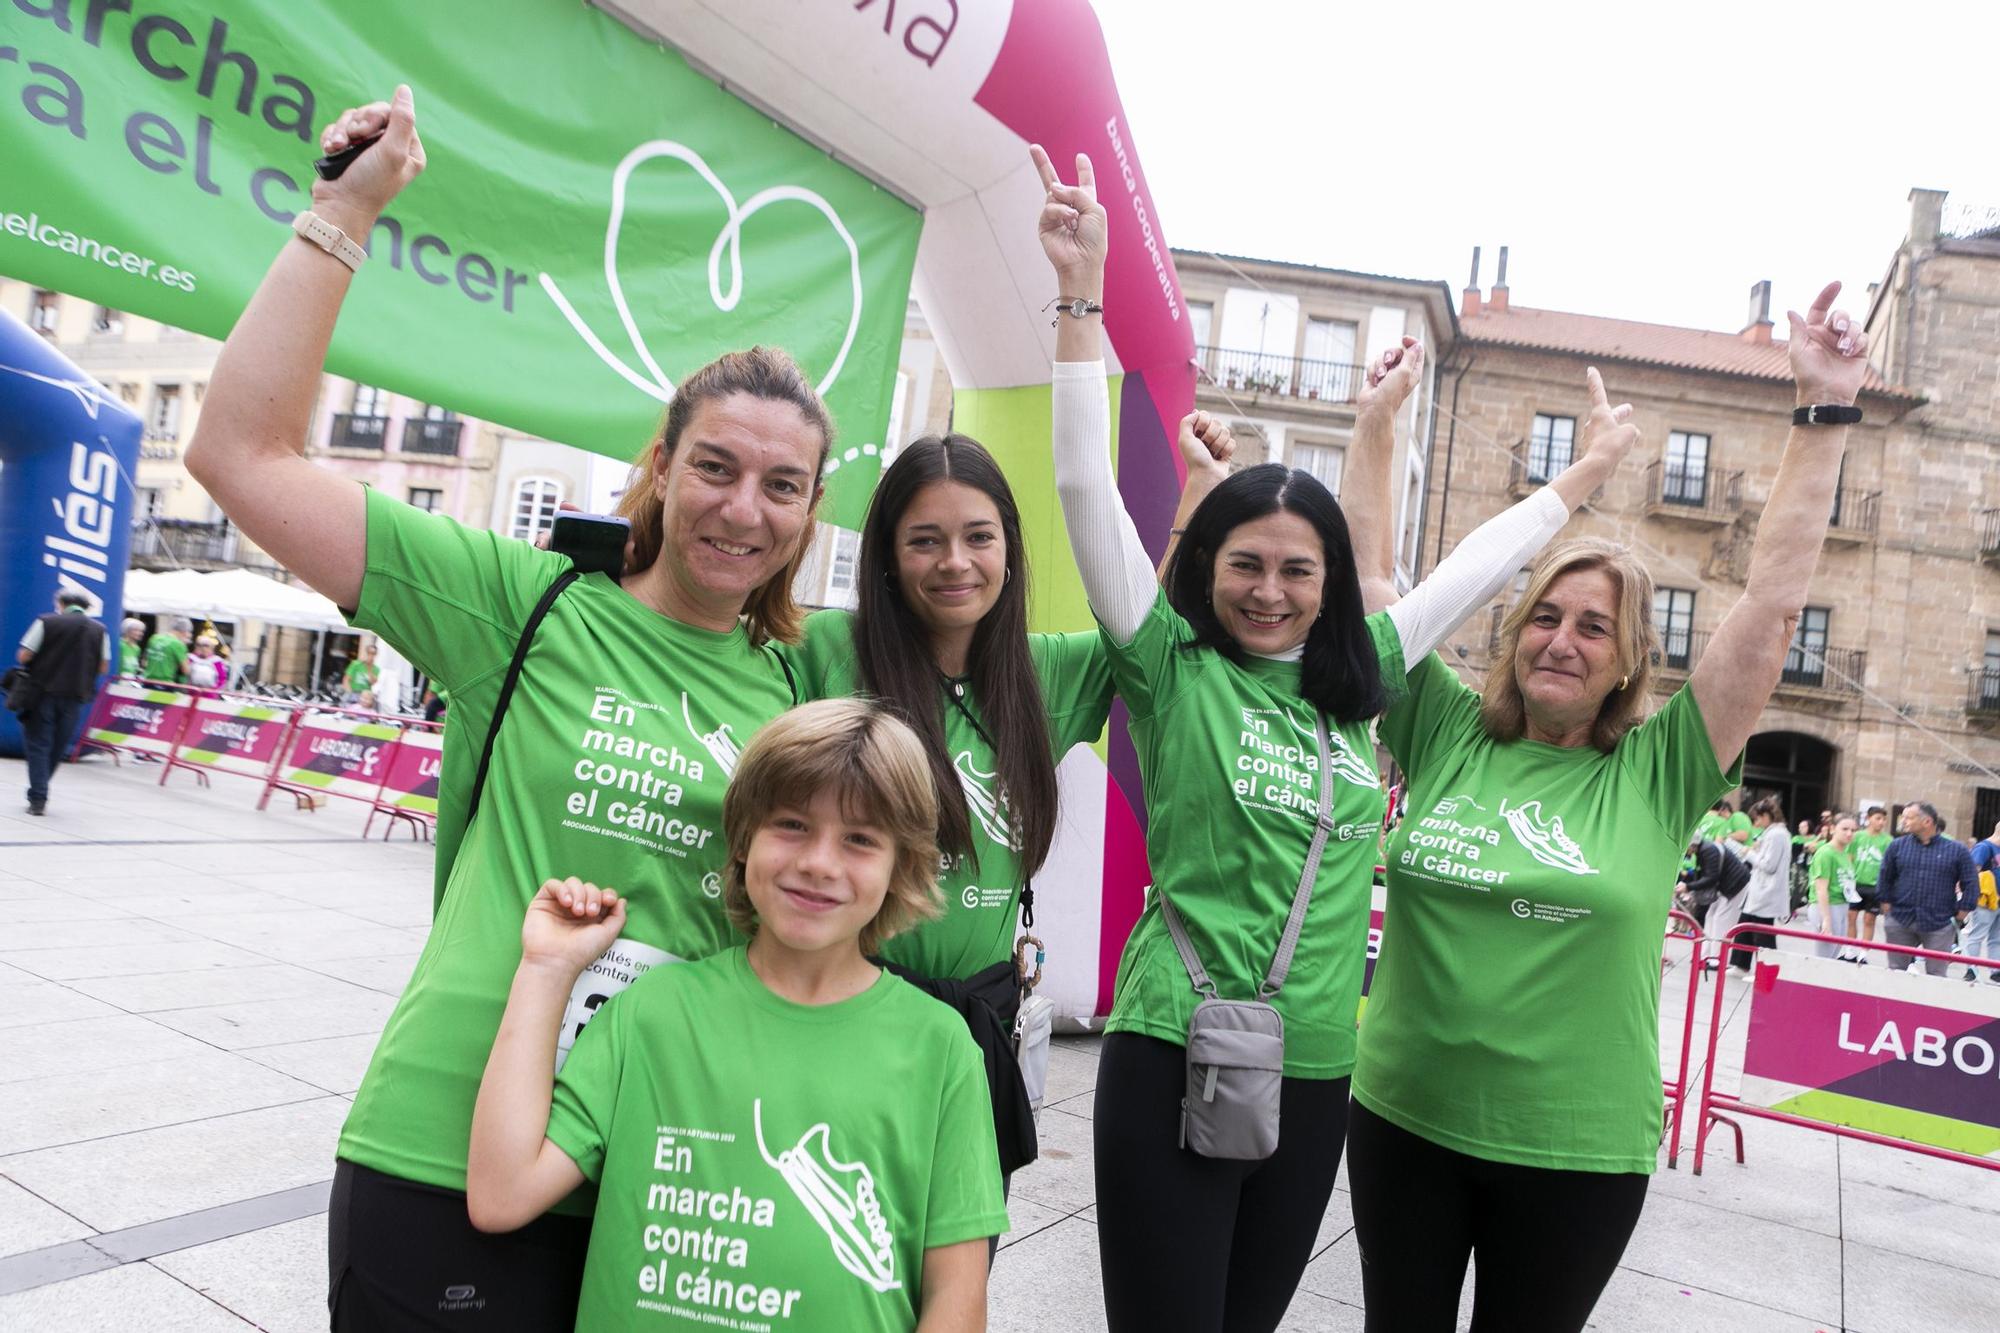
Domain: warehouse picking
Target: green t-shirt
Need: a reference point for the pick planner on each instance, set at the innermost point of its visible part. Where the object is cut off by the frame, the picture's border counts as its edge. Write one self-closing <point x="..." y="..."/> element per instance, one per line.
<point x="130" y="655"/>
<point x="1230" y="763"/>
<point x="1514" y="1014"/>
<point x="768" y="1164"/>
<point x="1836" y="867"/>
<point x="610" y="765"/>
<point x="164" y="655"/>
<point x="1866" y="849"/>
<point x="1713" y="826"/>
<point x="982" y="901"/>
<point x="1739" y="823"/>
<point x="361" y="676"/>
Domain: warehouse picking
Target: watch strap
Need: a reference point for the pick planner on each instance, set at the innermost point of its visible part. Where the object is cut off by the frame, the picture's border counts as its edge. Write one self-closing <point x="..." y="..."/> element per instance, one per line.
<point x="329" y="238"/>
<point x="1826" y="414"/>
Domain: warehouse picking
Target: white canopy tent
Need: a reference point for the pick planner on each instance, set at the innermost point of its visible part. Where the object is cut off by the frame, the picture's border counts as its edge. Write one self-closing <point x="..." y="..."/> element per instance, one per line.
<point x="235" y="595"/>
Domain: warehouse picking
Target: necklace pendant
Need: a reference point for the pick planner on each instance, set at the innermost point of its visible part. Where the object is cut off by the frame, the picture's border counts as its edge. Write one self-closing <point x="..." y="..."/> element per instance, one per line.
<point x="958" y="688"/>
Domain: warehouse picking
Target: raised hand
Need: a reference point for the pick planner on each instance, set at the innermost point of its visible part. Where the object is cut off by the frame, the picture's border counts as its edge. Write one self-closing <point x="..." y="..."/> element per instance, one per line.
<point x="380" y="173"/>
<point x="1829" y="352"/>
<point x="570" y="924"/>
<point x="1391" y="378"/>
<point x="1072" y="226"/>
<point x="1206" y="444"/>
<point x="1608" y="432"/>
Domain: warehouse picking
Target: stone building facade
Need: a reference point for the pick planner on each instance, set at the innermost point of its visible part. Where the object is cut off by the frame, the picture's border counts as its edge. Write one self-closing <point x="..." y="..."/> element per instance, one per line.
<point x="1892" y="690"/>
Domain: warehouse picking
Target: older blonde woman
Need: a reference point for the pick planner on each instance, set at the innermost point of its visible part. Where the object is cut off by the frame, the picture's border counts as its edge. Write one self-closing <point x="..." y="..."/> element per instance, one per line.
<point x="1507" y="1089"/>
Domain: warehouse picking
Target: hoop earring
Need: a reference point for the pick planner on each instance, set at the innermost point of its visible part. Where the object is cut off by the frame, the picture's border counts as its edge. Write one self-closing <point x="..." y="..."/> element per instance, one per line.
<point x="1006" y="577"/>
<point x="1624" y="681"/>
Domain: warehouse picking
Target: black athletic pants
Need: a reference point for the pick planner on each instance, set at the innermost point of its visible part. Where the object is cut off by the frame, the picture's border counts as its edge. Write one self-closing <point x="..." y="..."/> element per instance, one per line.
<point x="1187" y="1242"/>
<point x="403" y="1256"/>
<point x="1547" y="1241"/>
<point x="1750" y="941"/>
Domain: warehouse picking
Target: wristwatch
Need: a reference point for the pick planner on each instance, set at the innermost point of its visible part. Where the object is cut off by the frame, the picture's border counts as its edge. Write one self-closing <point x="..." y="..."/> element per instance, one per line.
<point x="329" y="238"/>
<point x="1076" y="307"/>
<point x="1826" y="414"/>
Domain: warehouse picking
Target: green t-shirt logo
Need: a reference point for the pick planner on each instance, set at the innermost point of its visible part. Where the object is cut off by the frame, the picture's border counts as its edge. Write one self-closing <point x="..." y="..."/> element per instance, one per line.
<point x="1545" y="839"/>
<point x="840" y="1196"/>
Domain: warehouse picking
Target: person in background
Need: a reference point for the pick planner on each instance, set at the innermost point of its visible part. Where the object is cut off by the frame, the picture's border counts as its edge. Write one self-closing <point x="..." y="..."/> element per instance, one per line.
<point x="1928" y="887"/>
<point x="361" y="673"/>
<point x="1737" y="833"/>
<point x="131" y="646"/>
<point x="1768" y="900"/>
<point x="1717" y="877"/>
<point x="205" y="669"/>
<point x="166" y="650"/>
<point x="1867" y="849"/>
<point x="1832" y="893"/>
<point x="62" y="654"/>
<point x="1982" y="931"/>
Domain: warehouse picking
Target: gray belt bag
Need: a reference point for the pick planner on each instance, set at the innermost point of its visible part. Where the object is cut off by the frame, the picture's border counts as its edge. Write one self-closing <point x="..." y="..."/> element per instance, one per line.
<point x="1236" y="1048"/>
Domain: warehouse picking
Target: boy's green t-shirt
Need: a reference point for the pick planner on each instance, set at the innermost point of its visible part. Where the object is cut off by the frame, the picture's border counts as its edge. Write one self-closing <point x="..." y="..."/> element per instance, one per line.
<point x="767" y="1164"/>
<point x="610" y="765"/>
<point x="1514" y="1013"/>
<point x="982" y="898"/>
<point x="1231" y="768"/>
<point x="164" y="655"/>
<point x="1836" y="867"/>
<point x="1866" y="849"/>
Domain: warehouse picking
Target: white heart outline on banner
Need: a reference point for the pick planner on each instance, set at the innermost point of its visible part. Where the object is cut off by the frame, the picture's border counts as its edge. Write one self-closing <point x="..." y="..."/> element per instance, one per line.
<point x="660" y="387"/>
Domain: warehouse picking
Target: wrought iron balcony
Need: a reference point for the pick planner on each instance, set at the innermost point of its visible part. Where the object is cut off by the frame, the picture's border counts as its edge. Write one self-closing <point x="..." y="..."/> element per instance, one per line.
<point x="171" y="542"/>
<point x="1697" y="495"/>
<point x="1989" y="536"/>
<point x="1527" y="474"/>
<point x="1265" y="373"/>
<point x="423" y="436"/>
<point x="357" y="432"/>
<point x="1983" y="699"/>
<point x="1680" y="649"/>
<point x="1836" y="670"/>
<point x="1855" y="514"/>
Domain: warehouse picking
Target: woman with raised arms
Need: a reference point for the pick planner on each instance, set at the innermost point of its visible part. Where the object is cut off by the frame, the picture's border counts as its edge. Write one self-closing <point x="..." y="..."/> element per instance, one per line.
<point x="632" y="704"/>
<point x="1507" y="1097"/>
<point x="1258" y="652"/>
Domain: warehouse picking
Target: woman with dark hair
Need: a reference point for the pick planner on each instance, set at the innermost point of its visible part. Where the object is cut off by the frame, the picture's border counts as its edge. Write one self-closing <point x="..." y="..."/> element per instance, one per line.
<point x="1507" y="1101"/>
<point x="625" y="721"/>
<point x="1251" y="681"/>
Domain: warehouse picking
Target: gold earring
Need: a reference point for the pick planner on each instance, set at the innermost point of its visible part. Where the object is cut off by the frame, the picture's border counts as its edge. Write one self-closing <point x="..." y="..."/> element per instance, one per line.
<point x="1623" y="681"/>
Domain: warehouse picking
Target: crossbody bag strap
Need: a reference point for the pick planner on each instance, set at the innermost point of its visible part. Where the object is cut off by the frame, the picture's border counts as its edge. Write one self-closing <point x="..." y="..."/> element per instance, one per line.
<point x="535" y="618"/>
<point x="1296" y="922"/>
<point x="1178" y="932"/>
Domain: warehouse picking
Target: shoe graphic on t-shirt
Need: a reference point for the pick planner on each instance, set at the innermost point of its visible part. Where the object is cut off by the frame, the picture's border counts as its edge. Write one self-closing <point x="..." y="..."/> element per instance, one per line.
<point x="1344" y="763"/>
<point x="849" y="1213"/>
<point x="1544" y="838"/>
<point x="721" y="746"/>
<point x="981" y="797"/>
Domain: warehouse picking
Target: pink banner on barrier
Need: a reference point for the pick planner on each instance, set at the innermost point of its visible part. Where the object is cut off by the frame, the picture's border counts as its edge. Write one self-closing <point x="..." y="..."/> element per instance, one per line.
<point x="132" y="715"/>
<point x="234" y="736"/>
<point x="338" y="755"/>
<point x="412" y="783"/>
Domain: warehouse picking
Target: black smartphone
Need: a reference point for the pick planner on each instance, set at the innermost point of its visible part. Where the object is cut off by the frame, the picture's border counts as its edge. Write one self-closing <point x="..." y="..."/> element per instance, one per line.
<point x="593" y="542"/>
<point x="330" y="166"/>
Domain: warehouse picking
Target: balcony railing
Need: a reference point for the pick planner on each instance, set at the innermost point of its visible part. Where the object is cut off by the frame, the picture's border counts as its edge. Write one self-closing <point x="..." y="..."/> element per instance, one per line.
<point x="1855" y="514"/>
<point x="1680" y="649"/>
<point x="357" y="432"/>
<point x="422" y="436"/>
<point x="170" y="542"/>
<point x="1984" y="696"/>
<point x="1700" y="493"/>
<point x="1823" y="668"/>
<point x="1281" y="376"/>
<point x="1525" y="472"/>
<point x="1989" y="536"/>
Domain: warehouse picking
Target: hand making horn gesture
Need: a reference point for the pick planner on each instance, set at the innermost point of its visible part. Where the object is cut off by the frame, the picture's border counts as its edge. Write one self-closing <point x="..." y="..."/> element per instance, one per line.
<point x="1829" y="352"/>
<point x="1073" y="227"/>
<point x="1608" y="432"/>
<point x="1391" y="378"/>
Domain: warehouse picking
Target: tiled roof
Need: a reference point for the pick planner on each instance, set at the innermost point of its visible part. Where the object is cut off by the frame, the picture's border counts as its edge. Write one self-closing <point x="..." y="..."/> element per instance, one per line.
<point x="1630" y="340"/>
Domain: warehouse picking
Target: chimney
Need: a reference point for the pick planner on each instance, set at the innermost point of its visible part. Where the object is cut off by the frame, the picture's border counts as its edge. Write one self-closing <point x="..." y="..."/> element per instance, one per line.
<point x="1469" y="306"/>
<point x="1926" y="216"/>
<point x="1758" y="330"/>
<point x="1496" y="300"/>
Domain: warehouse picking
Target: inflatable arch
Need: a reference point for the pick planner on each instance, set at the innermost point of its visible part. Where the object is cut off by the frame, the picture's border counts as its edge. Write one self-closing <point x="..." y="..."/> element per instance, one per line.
<point x="614" y="196"/>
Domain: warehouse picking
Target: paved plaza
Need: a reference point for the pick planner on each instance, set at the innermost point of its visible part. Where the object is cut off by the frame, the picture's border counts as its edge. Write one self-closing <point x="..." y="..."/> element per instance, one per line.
<point x="189" y="992"/>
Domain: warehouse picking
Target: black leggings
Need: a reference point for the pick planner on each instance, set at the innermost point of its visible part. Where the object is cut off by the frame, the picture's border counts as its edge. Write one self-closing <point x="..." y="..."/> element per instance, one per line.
<point x="404" y="1257"/>
<point x="1750" y="941"/>
<point x="1547" y="1241"/>
<point x="1188" y="1242"/>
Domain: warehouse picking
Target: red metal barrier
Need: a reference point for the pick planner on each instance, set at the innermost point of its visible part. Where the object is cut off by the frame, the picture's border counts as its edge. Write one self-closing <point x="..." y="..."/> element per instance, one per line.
<point x="1713" y="1103"/>
<point x="1676" y="1088"/>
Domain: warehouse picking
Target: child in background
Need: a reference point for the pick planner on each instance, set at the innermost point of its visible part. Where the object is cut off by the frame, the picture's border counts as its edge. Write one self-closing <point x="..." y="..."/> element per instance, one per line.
<point x="781" y="1131"/>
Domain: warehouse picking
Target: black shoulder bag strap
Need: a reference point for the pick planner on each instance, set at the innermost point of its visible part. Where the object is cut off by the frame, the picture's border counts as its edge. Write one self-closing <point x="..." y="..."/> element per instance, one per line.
<point x="535" y="618"/>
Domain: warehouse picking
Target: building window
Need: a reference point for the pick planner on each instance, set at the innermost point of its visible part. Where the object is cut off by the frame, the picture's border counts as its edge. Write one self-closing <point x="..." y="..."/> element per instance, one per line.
<point x="163" y="422"/>
<point x="1329" y="371"/>
<point x="107" y="323"/>
<point x="369" y="401"/>
<point x="1805" y="662"/>
<point x="1323" y="461"/>
<point x="535" y="500"/>
<point x="426" y="498"/>
<point x="432" y="412"/>
<point x="843" y="573"/>
<point x="1673" y="617"/>
<point x="1989" y="675"/>
<point x="1550" y="446"/>
<point x="1413" y="519"/>
<point x="42" y="312"/>
<point x="148" y="502"/>
<point x="1201" y="321"/>
<point x="1686" y="479"/>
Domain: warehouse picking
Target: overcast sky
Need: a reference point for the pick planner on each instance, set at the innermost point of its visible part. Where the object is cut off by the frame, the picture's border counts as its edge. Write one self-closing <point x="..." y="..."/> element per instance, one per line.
<point x="1642" y="169"/>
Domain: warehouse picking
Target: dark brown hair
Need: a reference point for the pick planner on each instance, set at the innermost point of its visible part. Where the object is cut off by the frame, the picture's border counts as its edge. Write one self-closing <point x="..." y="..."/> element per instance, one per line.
<point x="768" y="373"/>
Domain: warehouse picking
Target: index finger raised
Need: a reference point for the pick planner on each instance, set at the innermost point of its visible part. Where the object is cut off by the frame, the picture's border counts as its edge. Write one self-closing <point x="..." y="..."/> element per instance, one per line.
<point x="1822" y="303"/>
<point x="1596" y="382"/>
<point x="1046" y="168"/>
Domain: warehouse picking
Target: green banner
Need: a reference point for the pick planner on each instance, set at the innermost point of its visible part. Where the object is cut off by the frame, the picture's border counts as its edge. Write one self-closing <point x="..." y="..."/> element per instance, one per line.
<point x="596" y="221"/>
